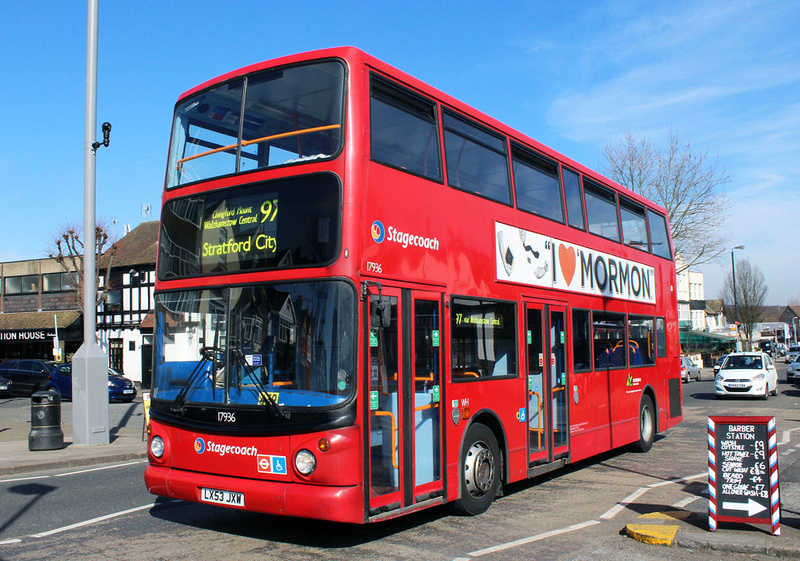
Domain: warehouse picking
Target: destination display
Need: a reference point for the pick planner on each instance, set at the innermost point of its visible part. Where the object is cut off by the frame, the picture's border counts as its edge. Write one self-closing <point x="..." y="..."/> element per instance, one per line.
<point x="279" y="224"/>
<point x="743" y="471"/>
<point x="239" y="228"/>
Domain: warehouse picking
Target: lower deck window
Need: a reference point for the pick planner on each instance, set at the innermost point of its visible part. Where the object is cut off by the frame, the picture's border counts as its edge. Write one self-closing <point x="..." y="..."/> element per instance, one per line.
<point x="484" y="339"/>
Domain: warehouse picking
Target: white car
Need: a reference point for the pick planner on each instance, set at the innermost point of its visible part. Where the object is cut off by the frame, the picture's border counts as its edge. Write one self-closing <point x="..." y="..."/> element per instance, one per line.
<point x="747" y="374"/>
<point x="793" y="372"/>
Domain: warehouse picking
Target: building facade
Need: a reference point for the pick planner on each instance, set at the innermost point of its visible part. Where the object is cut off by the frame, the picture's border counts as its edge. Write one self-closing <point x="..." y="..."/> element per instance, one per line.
<point x="40" y="316"/>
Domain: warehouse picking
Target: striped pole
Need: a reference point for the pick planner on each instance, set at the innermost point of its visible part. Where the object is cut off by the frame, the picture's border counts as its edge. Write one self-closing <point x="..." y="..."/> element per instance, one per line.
<point x="712" y="483"/>
<point x="774" y="494"/>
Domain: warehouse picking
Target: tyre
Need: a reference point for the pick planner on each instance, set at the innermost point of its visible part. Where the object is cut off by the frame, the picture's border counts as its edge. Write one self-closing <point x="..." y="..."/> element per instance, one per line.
<point x="480" y="471"/>
<point x="647" y="425"/>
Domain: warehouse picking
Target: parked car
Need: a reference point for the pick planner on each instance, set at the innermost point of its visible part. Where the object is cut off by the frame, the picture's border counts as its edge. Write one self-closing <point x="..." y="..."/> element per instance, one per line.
<point x="27" y="376"/>
<point x="747" y="374"/>
<point x="689" y="370"/>
<point x="793" y="372"/>
<point x="719" y="362"/>
<point x="119" y="387"/>
<point x="5" y="387"/>
<point x="792" y="354"/>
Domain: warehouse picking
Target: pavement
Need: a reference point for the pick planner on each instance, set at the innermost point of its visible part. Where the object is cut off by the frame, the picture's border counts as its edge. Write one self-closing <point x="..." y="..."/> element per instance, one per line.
<point x="670" y="527"/>
<point x="689" y="530"/>
<point x="126" y="422"/>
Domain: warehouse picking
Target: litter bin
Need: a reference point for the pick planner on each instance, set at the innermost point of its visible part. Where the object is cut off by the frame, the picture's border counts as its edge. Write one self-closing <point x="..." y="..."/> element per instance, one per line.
<point x="46" y="431"/>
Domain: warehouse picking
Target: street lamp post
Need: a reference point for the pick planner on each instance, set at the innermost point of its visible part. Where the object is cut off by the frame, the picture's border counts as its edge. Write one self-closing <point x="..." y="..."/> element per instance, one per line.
<point x="735" y="300"/>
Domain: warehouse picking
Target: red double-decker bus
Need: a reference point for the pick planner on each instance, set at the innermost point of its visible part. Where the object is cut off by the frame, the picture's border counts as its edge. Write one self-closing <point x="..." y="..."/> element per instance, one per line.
<point x="374" y="299"/>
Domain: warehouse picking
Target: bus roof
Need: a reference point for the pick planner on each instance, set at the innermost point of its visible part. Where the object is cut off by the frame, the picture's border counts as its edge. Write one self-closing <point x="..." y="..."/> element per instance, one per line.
<point x="355" y="56"/>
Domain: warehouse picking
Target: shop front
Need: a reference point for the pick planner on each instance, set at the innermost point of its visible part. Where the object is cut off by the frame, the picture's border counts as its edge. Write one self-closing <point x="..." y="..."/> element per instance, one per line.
<point x="37" y="335"/>
<point x="709" y="345"/>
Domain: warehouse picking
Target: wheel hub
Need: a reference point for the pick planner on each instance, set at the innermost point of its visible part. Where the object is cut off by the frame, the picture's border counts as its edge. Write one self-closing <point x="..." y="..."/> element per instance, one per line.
<point x="479" y="469"/>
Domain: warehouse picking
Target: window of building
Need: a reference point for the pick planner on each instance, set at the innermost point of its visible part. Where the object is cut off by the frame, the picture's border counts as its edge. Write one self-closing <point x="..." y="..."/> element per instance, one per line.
<point x="27" y="284"/>
<point x="581" y="340"/>
<point x="476" y="159"/>
<point x="601" y="211"/>
<point x="403" y="130"/>
<point x="483" y="339"/>
<point x="608" y="334"/>
<point x="113" y="301"/>
<point x="641" y="344"/>
<point x="659" y="236"/>
<point x="634" y="225"/>
<point x="55" y="282"/>
<point x="115" y="354"/>
<point x="572" y="191"/>
<point x="537" y="185"/>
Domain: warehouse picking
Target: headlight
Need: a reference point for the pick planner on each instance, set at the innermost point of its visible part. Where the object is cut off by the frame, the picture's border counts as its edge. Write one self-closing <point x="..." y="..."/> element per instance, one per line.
<point x="157" y="447"/>
<point x="759" y="377"/>
<point x="718" y="378"/>
<point x="305" y="462"/>
<point x="110" y="384"/>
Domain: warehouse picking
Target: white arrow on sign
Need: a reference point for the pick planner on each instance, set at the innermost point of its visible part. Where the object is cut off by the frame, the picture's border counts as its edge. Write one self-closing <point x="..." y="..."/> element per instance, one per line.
<point x="750" y="507"/>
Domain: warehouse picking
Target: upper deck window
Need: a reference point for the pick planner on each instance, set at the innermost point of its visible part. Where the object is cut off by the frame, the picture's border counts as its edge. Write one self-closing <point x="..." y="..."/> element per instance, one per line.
<point x="634" y="225"/>
<point x="476" y="159"/>
<point x="659" y="236"/>
<point x="283" y="116"/>
<point x="536" y="184"/>
<point x="601" y="211"/>
<point x="572" y="190"/>
<point x="403" y="130"/>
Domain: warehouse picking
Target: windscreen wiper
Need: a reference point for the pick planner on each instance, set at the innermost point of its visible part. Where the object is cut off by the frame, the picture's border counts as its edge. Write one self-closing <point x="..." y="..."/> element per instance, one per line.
<point x="208" y="354"/>
<point x="269" y="401"/>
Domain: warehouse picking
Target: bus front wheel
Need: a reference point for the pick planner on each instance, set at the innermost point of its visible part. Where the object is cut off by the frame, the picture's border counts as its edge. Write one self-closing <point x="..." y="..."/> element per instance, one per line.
<point x="647" y="425"/>
<point x="480" y="471"/>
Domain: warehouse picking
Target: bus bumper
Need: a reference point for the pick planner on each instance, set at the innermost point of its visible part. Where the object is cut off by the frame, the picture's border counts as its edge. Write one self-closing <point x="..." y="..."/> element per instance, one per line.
<point x="340" y="504"/>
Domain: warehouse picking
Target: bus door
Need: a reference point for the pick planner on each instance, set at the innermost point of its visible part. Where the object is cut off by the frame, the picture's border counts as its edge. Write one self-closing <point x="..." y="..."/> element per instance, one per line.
<point x="546" y="358"/>
<point x="404" y="338"/>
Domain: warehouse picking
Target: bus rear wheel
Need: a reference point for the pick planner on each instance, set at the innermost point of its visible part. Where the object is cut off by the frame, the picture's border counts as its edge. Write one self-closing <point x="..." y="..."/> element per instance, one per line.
<point x="647" y="425"/>
<point x="480" y="471"/>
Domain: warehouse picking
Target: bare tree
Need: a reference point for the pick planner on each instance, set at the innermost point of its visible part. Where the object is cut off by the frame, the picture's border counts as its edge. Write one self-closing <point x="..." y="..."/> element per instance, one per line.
<point x="747" y="304"/>
<point x="685" y="182"/>
<point x="67" y="248"/>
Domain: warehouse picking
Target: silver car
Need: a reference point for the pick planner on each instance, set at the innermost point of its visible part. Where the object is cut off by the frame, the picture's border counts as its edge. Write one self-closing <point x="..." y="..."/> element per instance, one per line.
<point x="689" y="370"/>
<point x="793" y="372"/>
<point x="747" y="374"/>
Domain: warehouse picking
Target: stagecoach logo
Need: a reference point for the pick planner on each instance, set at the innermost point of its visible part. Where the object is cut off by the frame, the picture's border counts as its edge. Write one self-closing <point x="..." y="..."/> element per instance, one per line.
<point x="533" y="259"/>
<point x="405" y="239"/>
<point x="378" y="231"/>
<point x="199" y="445"/>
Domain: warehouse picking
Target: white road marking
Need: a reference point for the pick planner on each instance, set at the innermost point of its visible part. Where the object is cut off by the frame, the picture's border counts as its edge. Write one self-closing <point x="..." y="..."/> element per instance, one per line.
<point x="92" y="521"/>
<point x="613" y="511"/>
<point x="99" y="468"/>
<point x="685" y="502"/>
<point x="24" y="479"/>
<point x="530" y="539"/>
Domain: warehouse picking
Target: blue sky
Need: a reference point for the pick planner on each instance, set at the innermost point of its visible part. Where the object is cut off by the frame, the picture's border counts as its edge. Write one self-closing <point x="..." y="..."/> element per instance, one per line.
<point x="574" y="75"/>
